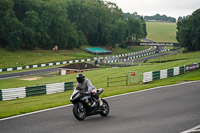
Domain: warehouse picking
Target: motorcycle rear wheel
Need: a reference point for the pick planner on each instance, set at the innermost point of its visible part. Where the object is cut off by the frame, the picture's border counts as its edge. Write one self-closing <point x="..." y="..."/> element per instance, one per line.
<point x="79" y="111"/>
<point x="106" y="107"/>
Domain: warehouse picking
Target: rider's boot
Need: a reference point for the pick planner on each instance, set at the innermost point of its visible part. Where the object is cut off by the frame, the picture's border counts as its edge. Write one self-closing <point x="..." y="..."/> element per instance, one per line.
<point x="100" y="102"/>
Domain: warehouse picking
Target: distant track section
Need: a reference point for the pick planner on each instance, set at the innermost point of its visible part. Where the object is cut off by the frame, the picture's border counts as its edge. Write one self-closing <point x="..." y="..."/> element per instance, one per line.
<point x="28" y="73"/>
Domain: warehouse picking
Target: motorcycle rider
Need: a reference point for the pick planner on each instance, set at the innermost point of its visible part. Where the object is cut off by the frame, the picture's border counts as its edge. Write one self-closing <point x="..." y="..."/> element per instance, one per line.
<point x="87" y="85"/>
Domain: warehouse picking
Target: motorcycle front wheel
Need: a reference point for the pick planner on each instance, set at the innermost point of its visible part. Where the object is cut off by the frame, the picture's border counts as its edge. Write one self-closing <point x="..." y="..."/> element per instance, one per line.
<point x="106" y="108"/>
<point x="79" y="111"/>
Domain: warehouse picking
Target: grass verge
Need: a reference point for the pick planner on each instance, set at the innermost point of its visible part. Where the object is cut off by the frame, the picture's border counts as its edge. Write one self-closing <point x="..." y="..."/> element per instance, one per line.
<point x="161" y="32"/>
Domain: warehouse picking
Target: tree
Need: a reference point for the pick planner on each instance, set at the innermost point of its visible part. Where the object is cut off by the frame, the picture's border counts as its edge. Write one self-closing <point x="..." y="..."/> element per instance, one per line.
<point x="188" y="34"/>
<point x="143" y="27"/>
<point x="135" y="29"/>
<point x="10" y="27"/>
<point x="118" y="33"/>
<point x="31" y="24"/>
<point x="31" y="32"/>
<point x="12" y="33"/>
<point x="180" y="19"/>
<point x="159" y="17"/>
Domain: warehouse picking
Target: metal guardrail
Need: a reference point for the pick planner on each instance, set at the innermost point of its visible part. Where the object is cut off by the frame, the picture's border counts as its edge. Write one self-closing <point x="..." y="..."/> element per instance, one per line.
<point x="35" y="91"/>
<point x="155" y="75"/>
<point x="22" y="92"/>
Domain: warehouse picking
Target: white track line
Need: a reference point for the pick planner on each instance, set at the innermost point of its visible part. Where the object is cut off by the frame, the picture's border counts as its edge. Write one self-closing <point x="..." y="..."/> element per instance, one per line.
<point x="35" y="112"/>
<point x="193" y="130"/>
<point x="105" y="98"/>
<point x="10" y="77"/>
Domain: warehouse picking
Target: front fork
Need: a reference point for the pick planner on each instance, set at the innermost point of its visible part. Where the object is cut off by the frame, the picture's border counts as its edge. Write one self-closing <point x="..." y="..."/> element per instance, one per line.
<point x="80" y="106"/>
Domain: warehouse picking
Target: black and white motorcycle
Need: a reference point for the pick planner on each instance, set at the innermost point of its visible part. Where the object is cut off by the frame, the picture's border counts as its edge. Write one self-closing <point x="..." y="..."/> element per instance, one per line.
<point x="83" y="104"/>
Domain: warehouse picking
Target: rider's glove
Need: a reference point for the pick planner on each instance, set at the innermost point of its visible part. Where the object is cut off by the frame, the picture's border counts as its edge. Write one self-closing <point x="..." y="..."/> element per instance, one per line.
<point x="94" y="91"/>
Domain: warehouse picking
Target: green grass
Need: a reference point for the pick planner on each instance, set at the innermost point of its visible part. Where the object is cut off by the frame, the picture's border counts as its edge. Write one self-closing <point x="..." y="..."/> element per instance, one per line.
<point x="161" y="32"/>
<point x="169" y="47"/>
<point x="23" y="57"/>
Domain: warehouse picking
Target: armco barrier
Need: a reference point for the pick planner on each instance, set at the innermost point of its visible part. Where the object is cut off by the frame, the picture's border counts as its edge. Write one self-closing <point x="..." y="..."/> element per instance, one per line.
<point x="156" y="75"/>
<point x="54" y="88"/>
<point x="151" y="76"/>
<point x="35" y="91"/>
<point x="69" y="86"/>
<point x="182" y="70"/>
<point x="15" y="93"/>
<point x="176" y="71"/>
<point x="163" y="74"/>
<point x="0" y="95"/>
<point x="170" y="72"/>
<point x="147" y="77"/>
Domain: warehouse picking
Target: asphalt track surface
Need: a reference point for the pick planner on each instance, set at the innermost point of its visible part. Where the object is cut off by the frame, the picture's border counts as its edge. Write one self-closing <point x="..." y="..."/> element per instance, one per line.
<point x="28" y="73"/>
<point x="144" y="59"/>
<point x="169" y="109"/>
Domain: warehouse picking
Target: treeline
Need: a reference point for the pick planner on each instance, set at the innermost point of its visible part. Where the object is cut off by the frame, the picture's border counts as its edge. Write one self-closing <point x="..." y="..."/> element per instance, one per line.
<point x="159" y="17"/>
<point x="188" y="34"/>
<point x="31" y="24"/>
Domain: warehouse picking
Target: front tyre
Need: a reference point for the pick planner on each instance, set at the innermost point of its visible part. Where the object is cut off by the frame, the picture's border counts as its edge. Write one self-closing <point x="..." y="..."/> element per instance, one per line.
<point x="79" y="111"/>
<point x="106" y="108"/>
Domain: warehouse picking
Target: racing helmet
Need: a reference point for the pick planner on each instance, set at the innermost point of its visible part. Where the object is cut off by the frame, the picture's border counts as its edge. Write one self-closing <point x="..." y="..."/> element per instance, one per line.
<point x="80" y="77"/>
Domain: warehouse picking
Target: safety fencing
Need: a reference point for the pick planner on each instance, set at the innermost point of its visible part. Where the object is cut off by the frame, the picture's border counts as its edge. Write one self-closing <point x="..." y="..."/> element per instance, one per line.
<point x="130" y="78"/>
<point x="162" y="74"/>
<point x="119" y="79"/>
<point x="22" y="92"/>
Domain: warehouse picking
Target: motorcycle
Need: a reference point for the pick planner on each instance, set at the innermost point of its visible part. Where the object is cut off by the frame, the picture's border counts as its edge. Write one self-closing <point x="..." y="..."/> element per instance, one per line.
<point x="83" y="104"/>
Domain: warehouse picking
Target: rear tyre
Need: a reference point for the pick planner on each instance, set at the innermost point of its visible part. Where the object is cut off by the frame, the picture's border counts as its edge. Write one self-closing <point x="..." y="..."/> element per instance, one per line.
<point x="79" y="111"/>
<point x="106" y="108"/>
